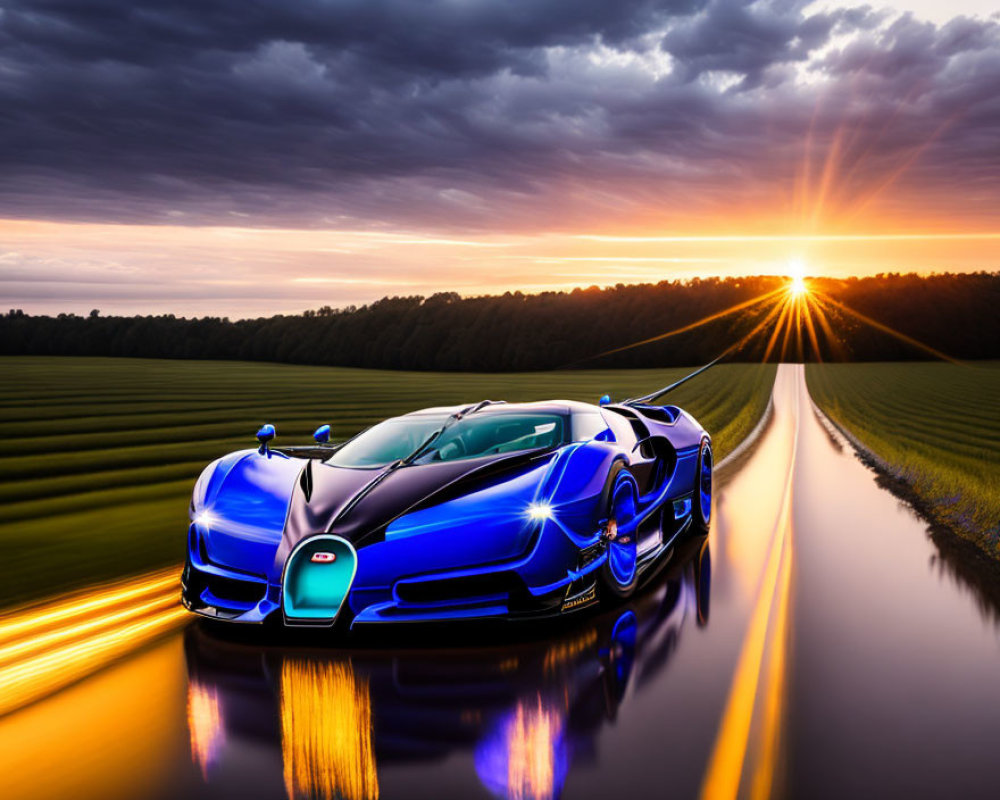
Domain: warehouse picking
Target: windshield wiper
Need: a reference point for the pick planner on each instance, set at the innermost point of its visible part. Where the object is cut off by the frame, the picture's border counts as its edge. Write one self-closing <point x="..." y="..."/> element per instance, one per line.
<point x="448" y="422"/>
<point x="430" y="440"/>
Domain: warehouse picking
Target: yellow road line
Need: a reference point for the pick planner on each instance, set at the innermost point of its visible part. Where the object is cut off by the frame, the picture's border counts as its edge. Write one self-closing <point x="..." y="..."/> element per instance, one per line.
<point x="725" y="769"/>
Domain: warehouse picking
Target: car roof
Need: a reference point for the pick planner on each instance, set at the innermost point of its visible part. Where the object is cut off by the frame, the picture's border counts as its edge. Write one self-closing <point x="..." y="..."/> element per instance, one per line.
<point x="502" y="407"/>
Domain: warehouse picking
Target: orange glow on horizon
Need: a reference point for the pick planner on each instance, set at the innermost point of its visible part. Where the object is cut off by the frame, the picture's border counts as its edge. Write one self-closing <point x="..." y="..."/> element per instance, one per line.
<point x="51" y="267"/>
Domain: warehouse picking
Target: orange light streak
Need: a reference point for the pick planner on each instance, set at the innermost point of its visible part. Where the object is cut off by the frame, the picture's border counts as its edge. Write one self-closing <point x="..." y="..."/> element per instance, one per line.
<point x="29" y="680"/>
<point x="35" y="618"/>
<point x="50" y="646"/>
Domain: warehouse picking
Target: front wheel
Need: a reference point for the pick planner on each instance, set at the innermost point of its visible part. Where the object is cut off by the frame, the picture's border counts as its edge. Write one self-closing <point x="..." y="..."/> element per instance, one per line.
<point x="619" y="572"/>
<point x="702" y="511"/>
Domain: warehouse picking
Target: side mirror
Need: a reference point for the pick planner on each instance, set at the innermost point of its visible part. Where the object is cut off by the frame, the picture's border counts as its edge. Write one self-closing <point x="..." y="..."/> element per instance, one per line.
<point x="265" y="435"/>
<point x="322" y="435"/>
<point x="605" y="399"/>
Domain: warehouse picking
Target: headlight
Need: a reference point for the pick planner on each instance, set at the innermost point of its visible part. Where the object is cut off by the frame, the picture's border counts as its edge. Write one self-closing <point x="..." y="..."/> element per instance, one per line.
<point x="539" y="511"/>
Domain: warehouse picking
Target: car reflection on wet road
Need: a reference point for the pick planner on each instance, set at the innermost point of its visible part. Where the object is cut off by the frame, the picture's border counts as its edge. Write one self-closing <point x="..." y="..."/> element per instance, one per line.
<point x="514" y="716"/>
<point x="839" y="659"/>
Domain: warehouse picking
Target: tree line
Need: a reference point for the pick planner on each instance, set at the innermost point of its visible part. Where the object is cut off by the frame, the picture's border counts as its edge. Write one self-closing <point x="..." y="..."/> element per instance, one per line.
<point x="955" y="314"/>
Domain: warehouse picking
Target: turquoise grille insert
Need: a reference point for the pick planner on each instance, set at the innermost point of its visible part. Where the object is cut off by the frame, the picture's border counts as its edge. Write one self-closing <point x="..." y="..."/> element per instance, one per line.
<point x="318" y="576"/>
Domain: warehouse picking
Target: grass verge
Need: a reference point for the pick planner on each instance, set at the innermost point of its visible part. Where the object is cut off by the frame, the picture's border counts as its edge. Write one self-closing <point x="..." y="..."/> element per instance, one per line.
<point x="932" y="428"/>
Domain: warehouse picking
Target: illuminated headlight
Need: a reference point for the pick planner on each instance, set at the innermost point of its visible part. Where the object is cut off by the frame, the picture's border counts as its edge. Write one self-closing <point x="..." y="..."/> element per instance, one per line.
<point x="540" y="511"/>
<point x="205" y="518"/>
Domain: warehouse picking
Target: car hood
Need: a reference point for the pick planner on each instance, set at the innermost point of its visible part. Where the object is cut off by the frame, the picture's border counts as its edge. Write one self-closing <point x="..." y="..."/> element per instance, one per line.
<point x="358" y="504"/>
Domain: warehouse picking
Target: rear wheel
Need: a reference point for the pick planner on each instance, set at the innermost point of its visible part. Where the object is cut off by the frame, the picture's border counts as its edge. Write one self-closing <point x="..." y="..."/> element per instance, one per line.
<point x="702" y="505"/>
<point x="619" y="572"/>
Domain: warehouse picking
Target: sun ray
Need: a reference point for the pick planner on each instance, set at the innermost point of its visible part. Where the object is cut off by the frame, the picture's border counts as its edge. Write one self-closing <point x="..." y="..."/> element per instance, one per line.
<point x="810" y="328"/>
<point x="684" y="328"/>
<point x="777" y="328"/>
<point x="789" y="324"/>
<point x="768" y="317"/>
<point x="836" y="346"/>
<point x="822" y="297"/>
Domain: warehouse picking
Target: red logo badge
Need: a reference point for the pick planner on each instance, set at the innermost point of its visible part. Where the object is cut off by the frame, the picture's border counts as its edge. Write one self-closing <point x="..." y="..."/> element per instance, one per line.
<point x="323" y="558"/>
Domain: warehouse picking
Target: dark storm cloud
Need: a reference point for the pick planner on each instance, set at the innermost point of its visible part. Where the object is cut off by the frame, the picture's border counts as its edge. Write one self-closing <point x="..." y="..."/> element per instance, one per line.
<point x="458" y="112"/>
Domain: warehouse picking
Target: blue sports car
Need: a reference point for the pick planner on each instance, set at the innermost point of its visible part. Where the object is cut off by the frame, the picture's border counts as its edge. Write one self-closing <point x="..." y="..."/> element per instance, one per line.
<point x="491" y="510"/>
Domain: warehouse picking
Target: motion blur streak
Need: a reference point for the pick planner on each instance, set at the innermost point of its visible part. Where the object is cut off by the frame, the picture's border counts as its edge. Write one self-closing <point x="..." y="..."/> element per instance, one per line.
<point x="725" y="768"/>
<point x="326" y="732"/>
<point x="51" y="646"/>
<point x="28" y="646"/>
<point x="208" y="735"/>
<point x="38" y="618"/>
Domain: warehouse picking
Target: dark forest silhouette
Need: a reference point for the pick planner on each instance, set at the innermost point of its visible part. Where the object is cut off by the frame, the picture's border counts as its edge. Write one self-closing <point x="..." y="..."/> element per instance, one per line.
<point x="953" y="313"/>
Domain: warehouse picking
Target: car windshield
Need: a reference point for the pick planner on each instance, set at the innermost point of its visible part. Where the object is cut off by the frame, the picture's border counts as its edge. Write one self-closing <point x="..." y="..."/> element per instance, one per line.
<point x="492" y="434"/>
<point x="388" y="441"/>
<point x="475" y="435"/>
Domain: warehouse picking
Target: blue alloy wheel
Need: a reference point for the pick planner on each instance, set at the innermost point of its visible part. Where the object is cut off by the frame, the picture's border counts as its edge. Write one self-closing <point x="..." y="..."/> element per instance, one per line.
<point x="704" y="505"/>
<point x="620" y="575"/>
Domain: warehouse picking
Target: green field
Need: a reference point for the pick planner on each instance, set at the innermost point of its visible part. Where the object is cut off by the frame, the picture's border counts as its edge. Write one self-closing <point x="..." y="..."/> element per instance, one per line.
<point x="935" y="426"/>
<point x="99" y="455"/>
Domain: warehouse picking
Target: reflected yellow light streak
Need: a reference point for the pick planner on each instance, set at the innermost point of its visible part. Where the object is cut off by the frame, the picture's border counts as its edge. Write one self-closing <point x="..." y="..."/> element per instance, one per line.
<point x="531" y="748"/>
<point x="204" y="715"/>
<point x="725" y="768"/>
<point x="326" y="732"/>
<point x="567" y="650"/>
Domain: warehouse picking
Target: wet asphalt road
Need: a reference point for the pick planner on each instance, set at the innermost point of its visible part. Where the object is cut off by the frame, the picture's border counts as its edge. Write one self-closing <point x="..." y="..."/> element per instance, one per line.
<point x="816" y="645"/>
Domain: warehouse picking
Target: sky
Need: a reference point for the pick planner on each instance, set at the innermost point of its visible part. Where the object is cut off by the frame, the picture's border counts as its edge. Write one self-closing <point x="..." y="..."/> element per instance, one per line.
<point x="247" y="157"/>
